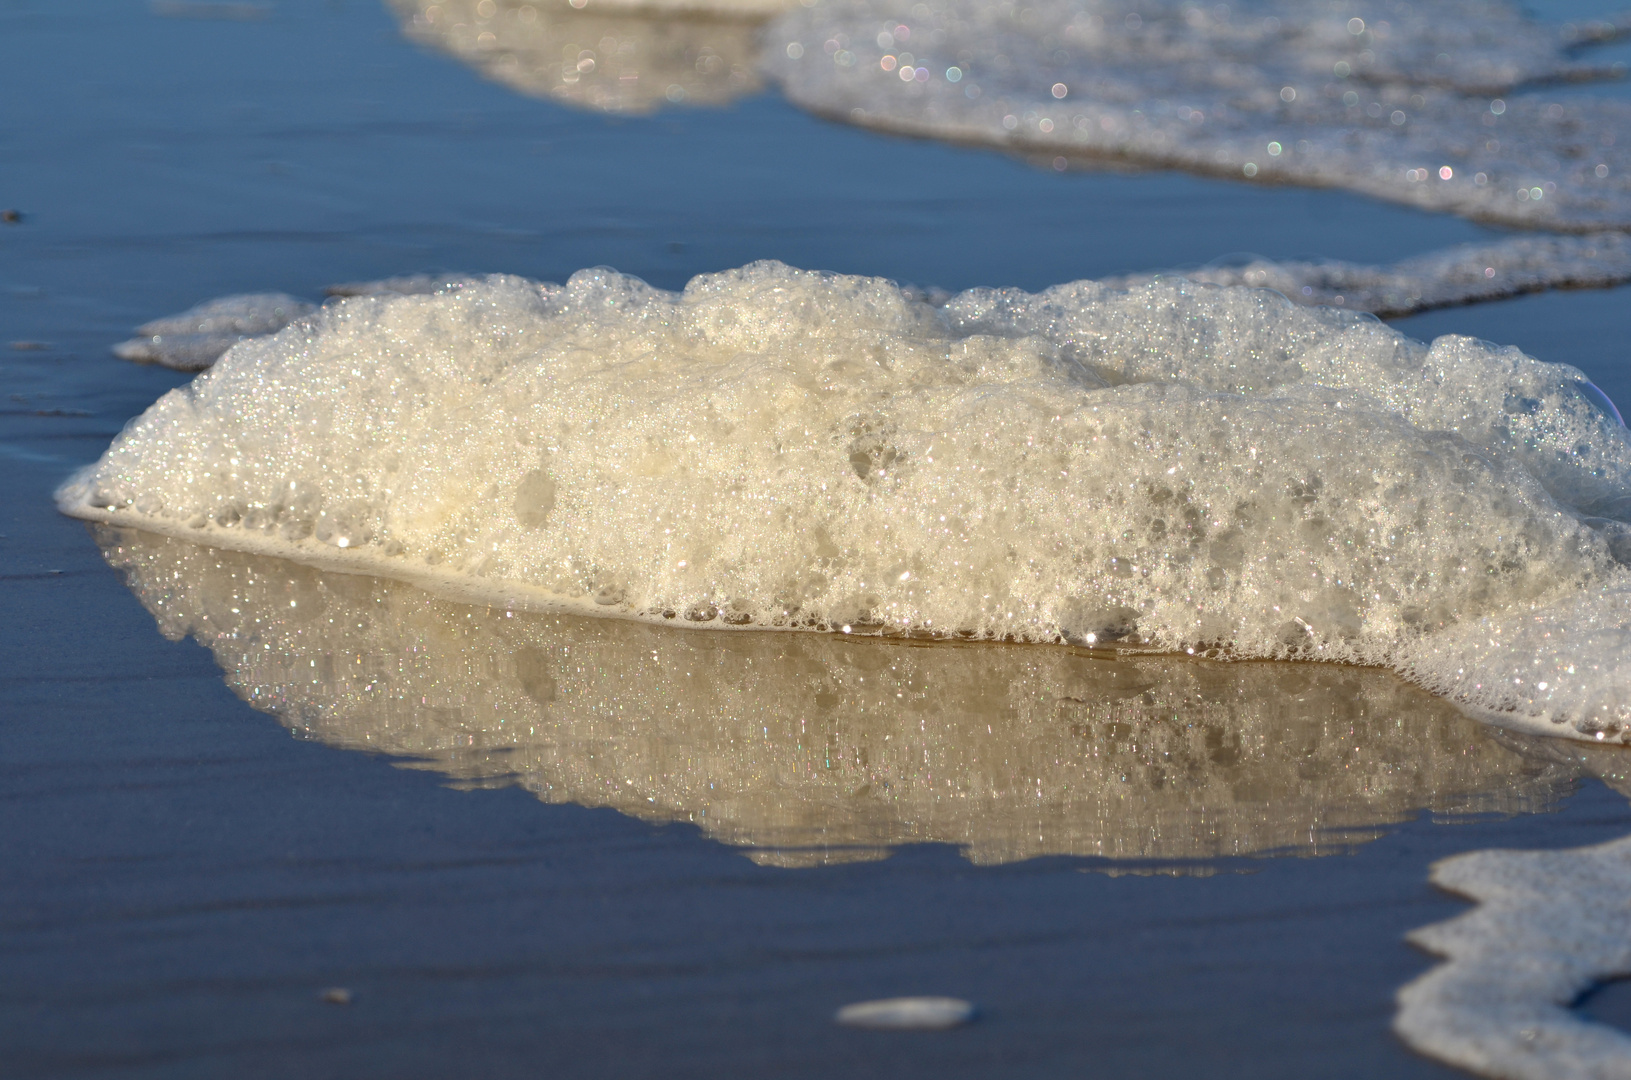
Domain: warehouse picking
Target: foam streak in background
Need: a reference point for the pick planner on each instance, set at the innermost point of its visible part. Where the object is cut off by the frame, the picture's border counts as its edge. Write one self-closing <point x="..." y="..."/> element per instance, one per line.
<point x="632" y="57"/>
<point x="1411" y="102"/>
<point x="1195" y="469"/>
<point x="1466" y="274"/>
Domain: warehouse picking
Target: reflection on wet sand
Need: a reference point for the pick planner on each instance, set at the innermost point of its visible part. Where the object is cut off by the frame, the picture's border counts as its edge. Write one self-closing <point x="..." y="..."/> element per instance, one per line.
<point x="601" y="54"/>
<point x="813" y="748"/>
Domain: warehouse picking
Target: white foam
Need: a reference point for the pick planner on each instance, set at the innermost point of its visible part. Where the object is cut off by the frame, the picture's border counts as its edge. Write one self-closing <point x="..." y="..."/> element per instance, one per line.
<point x="907" y="1014"/>
<point x="1412" y="102"/>
<point x="1549" y="925"/>
<point x="1467" y="274"/>
<point x="627" y="56"/>
<point x="824" y="747"/>
<point x="195" y="339"/>
<point x="1196" y="469"/>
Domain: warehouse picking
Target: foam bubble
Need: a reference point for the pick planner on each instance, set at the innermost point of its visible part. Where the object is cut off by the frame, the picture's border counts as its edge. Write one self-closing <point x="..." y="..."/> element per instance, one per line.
<point x="907" y="1014"/>
<point x="1196" y="469"/>
<point x="1412" y="102"/>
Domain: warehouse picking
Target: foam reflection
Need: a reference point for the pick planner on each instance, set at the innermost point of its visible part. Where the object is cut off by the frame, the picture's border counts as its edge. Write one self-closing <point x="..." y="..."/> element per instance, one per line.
<point x="812" y="748"/>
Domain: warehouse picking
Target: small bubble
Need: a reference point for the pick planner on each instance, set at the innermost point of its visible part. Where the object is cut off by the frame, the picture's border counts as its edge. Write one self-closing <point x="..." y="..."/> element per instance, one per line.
<point x="794" y="50"/>
<point x="907" y="1014"/>
<point x="1250" y="168"/>
<point x="1060" y="90"/>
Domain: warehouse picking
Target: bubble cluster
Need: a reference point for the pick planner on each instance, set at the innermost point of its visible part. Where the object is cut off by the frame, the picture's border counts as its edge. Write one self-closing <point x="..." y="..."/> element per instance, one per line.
<point x="1204" y="470"/>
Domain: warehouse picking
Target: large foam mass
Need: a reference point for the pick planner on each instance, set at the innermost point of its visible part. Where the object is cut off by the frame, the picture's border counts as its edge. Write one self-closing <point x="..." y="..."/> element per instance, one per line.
<point x="1182" y="466"/>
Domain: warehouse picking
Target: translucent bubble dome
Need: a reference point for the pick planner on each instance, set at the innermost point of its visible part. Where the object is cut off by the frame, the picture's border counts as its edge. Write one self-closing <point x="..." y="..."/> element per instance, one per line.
<point x="1182" y="467"/>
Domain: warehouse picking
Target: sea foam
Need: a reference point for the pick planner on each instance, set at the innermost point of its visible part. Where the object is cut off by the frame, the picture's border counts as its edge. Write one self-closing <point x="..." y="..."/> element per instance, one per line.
<point x="1549" y="926"/>
<point x="624" y="56"/>
<point x="1183" y="467"/>
<point x="1413" y="102"/>
<point x="1464" y="274"/>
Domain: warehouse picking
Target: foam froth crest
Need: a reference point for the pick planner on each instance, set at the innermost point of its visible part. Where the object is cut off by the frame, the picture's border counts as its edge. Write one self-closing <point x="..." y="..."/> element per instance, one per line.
<point x="1191" y="468"/>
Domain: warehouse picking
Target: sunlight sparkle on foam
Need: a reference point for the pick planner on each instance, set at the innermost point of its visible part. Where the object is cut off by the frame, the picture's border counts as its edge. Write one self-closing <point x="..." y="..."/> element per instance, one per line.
<point x="1178" y="465"/>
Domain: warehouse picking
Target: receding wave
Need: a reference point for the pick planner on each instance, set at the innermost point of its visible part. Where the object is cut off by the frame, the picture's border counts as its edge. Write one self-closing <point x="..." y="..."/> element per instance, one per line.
<point x="1202" y="470"/>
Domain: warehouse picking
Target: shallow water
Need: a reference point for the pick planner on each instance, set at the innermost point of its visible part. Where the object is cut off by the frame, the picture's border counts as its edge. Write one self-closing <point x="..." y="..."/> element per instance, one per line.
<point x="183" y="879"/>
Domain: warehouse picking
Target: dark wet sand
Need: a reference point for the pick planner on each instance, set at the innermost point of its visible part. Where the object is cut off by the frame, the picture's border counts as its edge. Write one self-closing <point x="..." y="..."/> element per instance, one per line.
<point x="180" y="879"/>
